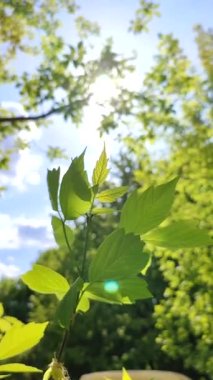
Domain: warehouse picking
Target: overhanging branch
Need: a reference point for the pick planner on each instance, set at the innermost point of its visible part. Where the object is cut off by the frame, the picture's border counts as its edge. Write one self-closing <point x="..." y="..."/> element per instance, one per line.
<point x="44" y="115"/>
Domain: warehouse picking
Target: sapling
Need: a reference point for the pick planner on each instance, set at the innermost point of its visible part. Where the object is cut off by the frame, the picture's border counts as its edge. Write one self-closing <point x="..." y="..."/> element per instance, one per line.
<point x="116" y="274"/>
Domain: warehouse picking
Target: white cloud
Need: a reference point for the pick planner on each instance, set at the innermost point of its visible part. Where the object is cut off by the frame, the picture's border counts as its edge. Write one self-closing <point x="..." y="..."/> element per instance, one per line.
<point x="21" y="232"/>
<point x="25" y="171"/>
<point x="9" y="270"/>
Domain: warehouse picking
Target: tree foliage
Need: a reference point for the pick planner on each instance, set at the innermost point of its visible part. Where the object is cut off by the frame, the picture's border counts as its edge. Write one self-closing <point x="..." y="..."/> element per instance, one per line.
<point x="60" y="72"/>
<point x="174" y="113"/>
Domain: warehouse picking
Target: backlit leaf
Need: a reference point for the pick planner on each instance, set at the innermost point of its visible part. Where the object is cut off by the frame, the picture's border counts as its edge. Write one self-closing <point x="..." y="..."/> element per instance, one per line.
<point x="53" y="183"/>
<point x="102" y="211"/>
<point x="13" y="320"/>
<point x="7" y="322"/>
<point x="4" y="325"/>
<point x="68" y="304"/>
<point x="18" y="367"/>
<point x="58" y="231"/>
<point x="20" y="339"/>
<point x="75" y="193"/>
<point x="145" y="210"/>
<point x="120" y="255"/>
<point x="45" y="280"/>
<point x="100" y="172"/>
<point x="83" y="305"/>
<point x="181" y="234"/>
<point x="111" y="195"/>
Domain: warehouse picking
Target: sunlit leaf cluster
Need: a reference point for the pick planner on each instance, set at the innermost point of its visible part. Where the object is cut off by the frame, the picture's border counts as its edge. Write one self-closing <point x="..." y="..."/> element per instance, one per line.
<point x="16" y="338"/>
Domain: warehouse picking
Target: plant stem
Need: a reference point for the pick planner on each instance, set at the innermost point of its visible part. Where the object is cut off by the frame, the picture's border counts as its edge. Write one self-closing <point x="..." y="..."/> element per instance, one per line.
<point x="81" y="273"/>
<point x="88" y="222"/>
<point x="65" y="235"/>
<point x="66" y="238"/>
<point x="63" y="344"/>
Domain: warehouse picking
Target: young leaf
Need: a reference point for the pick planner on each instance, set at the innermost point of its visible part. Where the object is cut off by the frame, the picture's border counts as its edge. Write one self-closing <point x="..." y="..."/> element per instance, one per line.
<point x="102" y="210"/>
<point x="100" y="172"/>
<point x="45" y="280"/>
<point x="144" y="211"/>
<point x="111" y="195"/>
<point x="4" y="325"/>
<point x="75" y="193"/>
<point x="119" y="256"/>
<point x="53" y="183"/>
<point x="181" y="234"/>
<point x="6" y="322"/>
<point x="83" y="305"/>
<point x="18" y="367"/>
<point x="68" y="304"/>
<point x="58" y="232"/>
<point x="56" y="371"/>
<point x="20" y="339"/>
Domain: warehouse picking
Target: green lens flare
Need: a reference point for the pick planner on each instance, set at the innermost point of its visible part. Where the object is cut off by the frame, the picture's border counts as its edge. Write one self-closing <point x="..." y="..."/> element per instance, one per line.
<point x="111" y="286"/>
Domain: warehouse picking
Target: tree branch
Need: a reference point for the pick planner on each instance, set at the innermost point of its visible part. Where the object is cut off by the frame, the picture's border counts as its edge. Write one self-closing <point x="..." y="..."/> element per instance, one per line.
<point x="10" y="119"/>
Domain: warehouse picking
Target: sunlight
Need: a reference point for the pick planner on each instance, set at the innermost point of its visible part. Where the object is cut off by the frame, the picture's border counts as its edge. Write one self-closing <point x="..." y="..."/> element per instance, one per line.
<point x="103" y="89"/>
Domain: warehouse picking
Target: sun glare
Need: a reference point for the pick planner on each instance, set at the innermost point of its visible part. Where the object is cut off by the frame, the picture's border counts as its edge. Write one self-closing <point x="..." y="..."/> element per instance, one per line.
<point x="103" y="89"/>
<point x="111" y="286"/>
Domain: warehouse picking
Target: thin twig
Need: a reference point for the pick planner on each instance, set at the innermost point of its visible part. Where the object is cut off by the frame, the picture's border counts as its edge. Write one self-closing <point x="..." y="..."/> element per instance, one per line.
<point x="88" y="220"/>
<point x="66" y="238"/>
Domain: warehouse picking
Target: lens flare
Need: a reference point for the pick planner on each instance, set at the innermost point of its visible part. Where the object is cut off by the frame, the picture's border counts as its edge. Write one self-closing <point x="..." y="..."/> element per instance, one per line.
<point x="111" y="286"/>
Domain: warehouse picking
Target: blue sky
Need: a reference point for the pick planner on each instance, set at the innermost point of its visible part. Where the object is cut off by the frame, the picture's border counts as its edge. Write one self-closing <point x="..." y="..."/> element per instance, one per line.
<point x="24" y="208"/>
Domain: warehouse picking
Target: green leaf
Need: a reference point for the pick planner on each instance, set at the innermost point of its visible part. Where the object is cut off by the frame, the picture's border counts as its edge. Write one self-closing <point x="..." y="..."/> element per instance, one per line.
<point x="45" y="280"/>
<point x="1" y="309"/>
<point x="119" y="256"/>
<point x="18" y="367"/>
<point x="7" y="322"/>
<point x="125" y="291"/>
<point x="135" y="289"/>
<point x="181" y="234"/>
<point x="4" y="325"/>
<point x="68" y="304"/>
<point x="13" y="320"/>
<point x="144" y="211"/>
<point x="100" y="172"/>
<point x="102" y="210"/>
<point x="47" y="374"/>
<point x="75" y="193"/>
<point x="83" y="305"/>
<point x="53" y="183"/>
<point x="111" y="195"/>
<point x="20" y="339"/>
<point x="58" y="231"/>
<point x="4" y="376"/>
